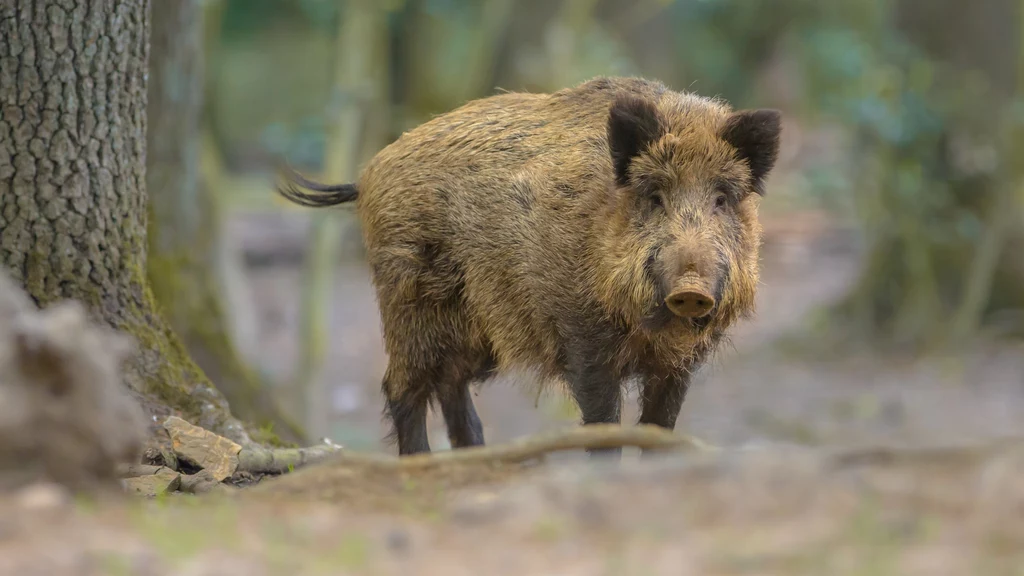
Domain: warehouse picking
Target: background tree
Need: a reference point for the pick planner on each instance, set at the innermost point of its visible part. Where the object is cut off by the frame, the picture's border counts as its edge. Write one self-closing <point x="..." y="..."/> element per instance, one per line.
<point x="932" y="95"/>
<point x="185" y="216"/>
<point x="73" y="205"/>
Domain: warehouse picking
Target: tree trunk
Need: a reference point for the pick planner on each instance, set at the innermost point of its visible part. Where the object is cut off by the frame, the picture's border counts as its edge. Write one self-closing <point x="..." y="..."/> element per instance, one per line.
<point x="73" y="206"/>
<point x="185" y="217"/>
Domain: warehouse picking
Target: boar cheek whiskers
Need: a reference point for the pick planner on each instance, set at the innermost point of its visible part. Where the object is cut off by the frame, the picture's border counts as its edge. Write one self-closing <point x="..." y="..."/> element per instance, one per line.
<point x="658" y="315"/>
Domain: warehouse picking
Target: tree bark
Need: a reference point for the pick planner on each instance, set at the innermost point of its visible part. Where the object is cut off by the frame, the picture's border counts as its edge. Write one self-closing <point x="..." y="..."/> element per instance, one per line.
<point x="73" y="205"/>
<point x="185" y="218"/>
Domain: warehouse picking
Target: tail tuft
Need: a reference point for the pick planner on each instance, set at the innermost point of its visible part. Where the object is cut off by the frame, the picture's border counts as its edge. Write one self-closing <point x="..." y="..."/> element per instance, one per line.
<point x="318" y="195"/>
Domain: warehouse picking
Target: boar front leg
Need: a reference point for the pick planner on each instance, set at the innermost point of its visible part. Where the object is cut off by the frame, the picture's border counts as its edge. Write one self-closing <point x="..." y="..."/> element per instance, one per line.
<point x="661" y="399"/>
<point x="598" y="394"/>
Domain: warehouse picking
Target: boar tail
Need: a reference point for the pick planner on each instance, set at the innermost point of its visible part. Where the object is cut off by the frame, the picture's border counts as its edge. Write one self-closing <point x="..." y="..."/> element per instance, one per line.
<point x="318" y="195"/>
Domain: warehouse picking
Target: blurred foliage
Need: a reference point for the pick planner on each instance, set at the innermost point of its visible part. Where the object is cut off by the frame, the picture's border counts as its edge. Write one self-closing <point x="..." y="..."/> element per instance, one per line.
<point x="928" y="126"/>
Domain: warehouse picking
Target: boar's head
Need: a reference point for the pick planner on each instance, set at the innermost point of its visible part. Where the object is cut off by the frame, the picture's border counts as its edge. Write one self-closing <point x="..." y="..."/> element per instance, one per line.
<point x="681" y="250"/>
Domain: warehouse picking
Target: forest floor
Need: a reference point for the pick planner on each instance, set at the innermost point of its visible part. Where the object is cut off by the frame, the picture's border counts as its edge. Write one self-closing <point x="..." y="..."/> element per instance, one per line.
<point x="950" y="511"/>
<point x="846" y="464"/>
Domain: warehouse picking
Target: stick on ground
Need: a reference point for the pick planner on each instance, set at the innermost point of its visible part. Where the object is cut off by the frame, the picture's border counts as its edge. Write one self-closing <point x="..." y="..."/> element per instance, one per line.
<point x="645" y="436"/>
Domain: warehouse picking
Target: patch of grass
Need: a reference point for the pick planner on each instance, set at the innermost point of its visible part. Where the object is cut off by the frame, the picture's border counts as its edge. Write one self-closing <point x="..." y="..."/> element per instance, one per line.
<point x="874" y="543"/>
<point x="548" y="529"/>
<point x="782" y="429"/>
<point x="179" y="529"/>
<point x="353" y="552"/>
<point x="615" y="562"/>
<point x="113" y="564"/>
<point x="85" y="503"/>
<point x="409" y="484"/>
<point x="815" y="559"/>
<point x="173" y="541"/>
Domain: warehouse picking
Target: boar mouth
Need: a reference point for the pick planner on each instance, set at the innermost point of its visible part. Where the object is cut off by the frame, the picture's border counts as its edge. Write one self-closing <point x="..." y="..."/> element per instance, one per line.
<point x="660" y="317"/>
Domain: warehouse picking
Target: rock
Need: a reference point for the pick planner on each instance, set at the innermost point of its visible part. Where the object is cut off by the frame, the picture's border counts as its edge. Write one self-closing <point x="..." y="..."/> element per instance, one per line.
<point x="165" y="480"/>
<point x="43" y="496"/>
<point x="398" y="541"/>
<point x="198" y="483"/>
<point x="213" y="453"/>
<point x="65" y="414"/>
<point x="135" y="470"/>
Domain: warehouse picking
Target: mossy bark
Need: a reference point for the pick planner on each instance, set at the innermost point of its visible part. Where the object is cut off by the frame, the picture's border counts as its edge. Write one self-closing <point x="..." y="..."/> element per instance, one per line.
<point x="73" y="206"/>
<point x="184" y="218"/>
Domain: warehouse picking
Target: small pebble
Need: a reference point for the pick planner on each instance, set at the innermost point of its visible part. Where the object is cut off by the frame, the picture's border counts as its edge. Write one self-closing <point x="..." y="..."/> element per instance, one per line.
<point x="43" y="496"/>
<point x="480" y="508"/>
<point x="398" y="541"/>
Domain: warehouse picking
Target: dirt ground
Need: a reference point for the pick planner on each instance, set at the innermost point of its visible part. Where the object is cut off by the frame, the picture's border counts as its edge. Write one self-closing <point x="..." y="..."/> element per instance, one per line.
<point x="949" y="511"/>
<point x="819" y="472"/>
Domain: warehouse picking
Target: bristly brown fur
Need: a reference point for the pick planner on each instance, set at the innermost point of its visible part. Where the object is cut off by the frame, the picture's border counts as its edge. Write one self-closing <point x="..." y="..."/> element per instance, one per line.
<point x="545" y="232"/>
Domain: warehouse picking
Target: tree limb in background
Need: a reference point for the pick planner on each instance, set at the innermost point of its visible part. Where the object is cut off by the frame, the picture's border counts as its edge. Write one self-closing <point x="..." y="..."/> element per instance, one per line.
<point x="1006" y="212"/>
<point x="362" y="30"/>
<point x="937" y="191"/>
<point x="185" y="216"/>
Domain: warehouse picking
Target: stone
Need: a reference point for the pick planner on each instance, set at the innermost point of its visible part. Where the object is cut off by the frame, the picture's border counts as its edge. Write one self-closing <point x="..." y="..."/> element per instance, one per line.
<point x="213" y="453"/>
<point x="165" y="480"/>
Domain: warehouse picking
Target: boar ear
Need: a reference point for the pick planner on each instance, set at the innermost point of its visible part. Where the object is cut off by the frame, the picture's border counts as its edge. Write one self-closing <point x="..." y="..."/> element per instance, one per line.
<point x="755" y="135"/>
<point x="633" y="125"/>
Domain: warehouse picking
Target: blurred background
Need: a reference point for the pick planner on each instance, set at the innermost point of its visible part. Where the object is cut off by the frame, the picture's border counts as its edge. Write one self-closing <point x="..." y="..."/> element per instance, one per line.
<point x="892" y="298"/>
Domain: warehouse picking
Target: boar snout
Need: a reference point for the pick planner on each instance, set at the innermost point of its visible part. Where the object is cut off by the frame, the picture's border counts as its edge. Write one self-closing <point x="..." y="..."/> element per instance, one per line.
<point x="690" y="302"/>
<point x="692" y="275"/>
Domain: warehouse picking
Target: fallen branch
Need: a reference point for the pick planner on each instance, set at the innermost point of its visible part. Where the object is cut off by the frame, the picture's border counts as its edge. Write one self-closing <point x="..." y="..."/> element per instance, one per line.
<point x="594" y="436"/>
<point x="220" y="459"/>
<point x="380" y="480"/>
<point x="259" y="460"/>
<point x="223" y="458"/>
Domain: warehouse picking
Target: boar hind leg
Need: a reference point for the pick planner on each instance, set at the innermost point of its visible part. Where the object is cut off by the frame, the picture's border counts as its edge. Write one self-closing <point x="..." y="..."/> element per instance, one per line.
<point x="406" y="399"/>
<point x="460" y="417"/>
<point x="464" y="426"/>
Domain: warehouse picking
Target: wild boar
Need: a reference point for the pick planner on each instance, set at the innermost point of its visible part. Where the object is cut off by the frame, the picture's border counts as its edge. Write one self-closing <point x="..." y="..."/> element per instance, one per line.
<point x="593" y="235"/>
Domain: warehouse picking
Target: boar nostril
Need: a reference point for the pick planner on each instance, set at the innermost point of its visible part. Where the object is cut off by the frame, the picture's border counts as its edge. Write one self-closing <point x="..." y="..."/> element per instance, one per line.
<point x="690" y="304"/>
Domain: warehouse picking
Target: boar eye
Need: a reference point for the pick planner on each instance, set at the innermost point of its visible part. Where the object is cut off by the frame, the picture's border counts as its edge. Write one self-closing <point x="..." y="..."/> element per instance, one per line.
<point x="656" y="201"/>
<point x="720" y="201"/>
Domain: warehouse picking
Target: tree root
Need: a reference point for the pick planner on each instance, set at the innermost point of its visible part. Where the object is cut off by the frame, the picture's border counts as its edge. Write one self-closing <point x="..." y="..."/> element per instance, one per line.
<point x="260" y="460"/>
